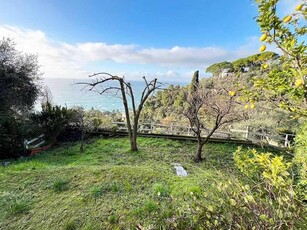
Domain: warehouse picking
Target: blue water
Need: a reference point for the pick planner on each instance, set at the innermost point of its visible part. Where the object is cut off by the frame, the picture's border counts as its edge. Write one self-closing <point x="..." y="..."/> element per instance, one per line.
<point x="66" y="92"/>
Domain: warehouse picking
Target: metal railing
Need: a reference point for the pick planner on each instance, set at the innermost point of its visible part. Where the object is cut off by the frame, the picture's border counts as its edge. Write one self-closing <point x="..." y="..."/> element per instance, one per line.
<point x="258" y="136"/>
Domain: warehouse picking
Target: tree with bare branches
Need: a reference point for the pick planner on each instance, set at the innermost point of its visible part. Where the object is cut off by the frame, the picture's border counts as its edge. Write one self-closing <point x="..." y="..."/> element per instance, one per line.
<point x="209" y="107"/>
<point x="124" y="89"/>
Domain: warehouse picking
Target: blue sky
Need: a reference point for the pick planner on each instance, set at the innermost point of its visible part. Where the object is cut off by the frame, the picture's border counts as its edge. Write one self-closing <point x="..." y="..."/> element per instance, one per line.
<point x="168" y="39"/>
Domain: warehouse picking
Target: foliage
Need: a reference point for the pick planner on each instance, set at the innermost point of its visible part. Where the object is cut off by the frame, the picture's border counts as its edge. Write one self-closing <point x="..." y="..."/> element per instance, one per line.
<point x="52" y="120"/>
<point x="217" y="68"/>
<point x="272" y="196"/>
<point x="19" y="74"/>
<point x="166" y="106"/>
<point x="288" y="33"/>
<point x="300" y="160"/>
<point x="254" y="62"/>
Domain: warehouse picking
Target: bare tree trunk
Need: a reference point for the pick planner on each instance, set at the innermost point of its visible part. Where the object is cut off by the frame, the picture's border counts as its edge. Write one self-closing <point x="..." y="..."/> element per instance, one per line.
<point x="198" y="157"/>
<point x="134" y="146"/>
<point x="132" y="142"/>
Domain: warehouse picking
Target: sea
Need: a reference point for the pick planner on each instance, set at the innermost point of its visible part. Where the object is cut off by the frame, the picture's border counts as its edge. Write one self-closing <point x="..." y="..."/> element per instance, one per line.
<point x="66" y="92"/>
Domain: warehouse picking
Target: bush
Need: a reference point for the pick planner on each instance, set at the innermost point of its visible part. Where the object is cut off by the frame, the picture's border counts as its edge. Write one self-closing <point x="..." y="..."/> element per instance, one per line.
<point x="53" y="119"/>
<point x="272" y="198"/>
<point x="266" y="199"/>
<point x="300" y="160"/>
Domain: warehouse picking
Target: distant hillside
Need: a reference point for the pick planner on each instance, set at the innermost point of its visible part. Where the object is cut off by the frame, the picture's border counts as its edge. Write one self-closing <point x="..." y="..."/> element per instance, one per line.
<point x="252" y="62"/>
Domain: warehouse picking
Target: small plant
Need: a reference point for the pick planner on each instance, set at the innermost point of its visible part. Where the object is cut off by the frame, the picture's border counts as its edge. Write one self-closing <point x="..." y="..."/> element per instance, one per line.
<point x="96" y="191"/>
<point x="113" y="218"/>
<point x="161" y="190"/>
<point x="70" y="225"/>
<point x="60" y="185"/>
<point x="113" y="187"/>
<point x="19" y="206"/>
<point x="151" y="206"/>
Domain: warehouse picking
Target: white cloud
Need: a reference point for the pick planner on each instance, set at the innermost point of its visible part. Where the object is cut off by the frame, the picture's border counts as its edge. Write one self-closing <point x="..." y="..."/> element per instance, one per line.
<point x="64" y="60"/>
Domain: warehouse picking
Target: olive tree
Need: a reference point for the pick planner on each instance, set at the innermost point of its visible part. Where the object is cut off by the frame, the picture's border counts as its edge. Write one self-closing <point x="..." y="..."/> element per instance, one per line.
<point x="19" y="88"/>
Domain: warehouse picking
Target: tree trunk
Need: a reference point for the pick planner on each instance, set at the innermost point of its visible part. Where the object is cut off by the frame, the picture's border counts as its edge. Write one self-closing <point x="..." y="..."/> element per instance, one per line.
<point x="134" y="146"/>
<point x="130" y="132"/>
<point x="133" y="143"/>
<point x="198" y="157"/>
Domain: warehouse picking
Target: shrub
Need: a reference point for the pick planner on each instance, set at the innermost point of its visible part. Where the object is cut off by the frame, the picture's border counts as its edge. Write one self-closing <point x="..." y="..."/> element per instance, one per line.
<point x="272" y="197"/>
<point x="266" y="199"/>
<point x="53" y="119"/>
<point x="300" y="160"/>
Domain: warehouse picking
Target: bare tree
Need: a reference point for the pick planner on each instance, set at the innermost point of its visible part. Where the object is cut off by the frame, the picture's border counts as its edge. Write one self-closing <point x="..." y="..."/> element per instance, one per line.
<point x="124" y="89"/>
<point x="209" y="107"/>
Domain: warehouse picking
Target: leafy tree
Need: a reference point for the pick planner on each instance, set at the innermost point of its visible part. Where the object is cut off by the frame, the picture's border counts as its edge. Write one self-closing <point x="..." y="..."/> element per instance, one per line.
<point x="254" y="61"/>
<point x="285" y="85"/>
<point x="217" y="68"/>
<point x="167" y="104"/>
<point x="19" y="75"/>
<point x="123" y="90"/>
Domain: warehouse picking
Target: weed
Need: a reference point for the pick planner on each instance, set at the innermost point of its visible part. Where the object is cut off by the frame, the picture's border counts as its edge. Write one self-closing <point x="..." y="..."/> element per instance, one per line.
<point x="151" y="206"/>
<point x="161" y="190"/>
<point x="19" y="205"/>
<point x="60" y="185"/>
<point x="71" y="225"/>
<point x="113" y="218"/>
<point x="96" y="191"/>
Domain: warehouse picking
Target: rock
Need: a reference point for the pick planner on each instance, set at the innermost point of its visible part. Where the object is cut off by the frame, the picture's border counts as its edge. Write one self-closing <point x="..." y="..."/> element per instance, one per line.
<point x="180" y="171"/>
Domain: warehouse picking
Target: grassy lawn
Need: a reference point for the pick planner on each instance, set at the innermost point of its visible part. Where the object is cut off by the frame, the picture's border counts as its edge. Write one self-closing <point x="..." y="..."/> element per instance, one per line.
<point x="109" y="187"/>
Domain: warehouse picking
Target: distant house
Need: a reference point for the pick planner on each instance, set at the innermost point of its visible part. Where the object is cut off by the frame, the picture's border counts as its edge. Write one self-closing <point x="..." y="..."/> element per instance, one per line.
<point x="245" y="69"/>
<point x="227" y="73"/>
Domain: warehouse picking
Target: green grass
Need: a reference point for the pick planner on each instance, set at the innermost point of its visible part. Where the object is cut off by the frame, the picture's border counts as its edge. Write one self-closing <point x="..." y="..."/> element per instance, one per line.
<point x="107" y="186"/>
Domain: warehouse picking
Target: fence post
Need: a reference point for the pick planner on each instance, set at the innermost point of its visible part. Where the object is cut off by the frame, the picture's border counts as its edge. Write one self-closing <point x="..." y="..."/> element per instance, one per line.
<point x="247" y="132"/>
<point x="286" y="140"/>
